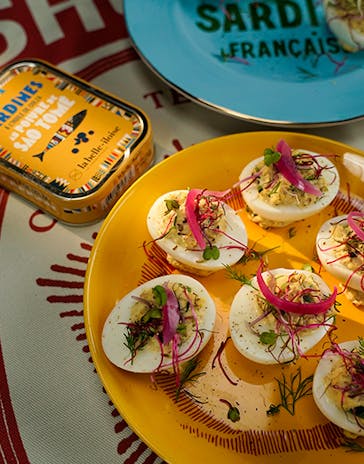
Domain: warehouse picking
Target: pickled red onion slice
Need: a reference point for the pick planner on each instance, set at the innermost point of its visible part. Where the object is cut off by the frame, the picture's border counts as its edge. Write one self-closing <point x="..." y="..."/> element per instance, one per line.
<point x="170" y="316"/>
<point x="291" y="306"/>
<point x="287" y="168"/>
<point x="191" y="217"/>
<point x="357" y="229"/>
<point x="191" y="213"/>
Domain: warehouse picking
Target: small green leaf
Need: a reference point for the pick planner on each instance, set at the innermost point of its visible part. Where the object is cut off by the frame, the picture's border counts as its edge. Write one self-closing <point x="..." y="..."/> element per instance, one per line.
<point x="271" y="156"/>
<point x="308" y="267"/>
<point x="233" y="414"/>
<point x="182" y="329"/>
<point x="211" y="252"/>
<point x="160" y="295"/>
<point x="171" y="205"/>
<point x="307" y="298"/>
<point x="273" y="410"/>
<point x="268" y="338"/>
<point x="154" y="313"/>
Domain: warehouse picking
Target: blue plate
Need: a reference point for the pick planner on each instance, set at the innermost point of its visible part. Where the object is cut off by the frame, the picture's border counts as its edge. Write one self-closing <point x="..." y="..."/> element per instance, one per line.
<point x="266" y="61"/>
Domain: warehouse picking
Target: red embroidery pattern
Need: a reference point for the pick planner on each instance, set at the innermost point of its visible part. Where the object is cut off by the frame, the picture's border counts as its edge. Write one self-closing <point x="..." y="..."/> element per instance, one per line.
<point x="4" y="195"/>
<point x="141" y="452"/>
<point x="11" y="445"/>
<point x="107" y="63"/>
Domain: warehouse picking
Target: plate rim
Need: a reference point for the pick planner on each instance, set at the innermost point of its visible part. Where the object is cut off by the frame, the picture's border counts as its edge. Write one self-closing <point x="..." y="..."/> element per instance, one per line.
<point x="275" y="122"/>
<point x="178" y="156"/>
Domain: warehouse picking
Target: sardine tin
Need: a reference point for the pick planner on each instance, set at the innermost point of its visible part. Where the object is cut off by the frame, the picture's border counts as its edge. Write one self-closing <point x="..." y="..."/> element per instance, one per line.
<point x="67" y="146"/>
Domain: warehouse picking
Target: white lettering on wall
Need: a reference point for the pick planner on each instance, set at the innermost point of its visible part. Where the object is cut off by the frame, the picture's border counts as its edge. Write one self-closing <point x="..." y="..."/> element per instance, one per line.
<point x="45" y="17"/>
<point x="15" y="38"/>
<point x="117" y="5"/>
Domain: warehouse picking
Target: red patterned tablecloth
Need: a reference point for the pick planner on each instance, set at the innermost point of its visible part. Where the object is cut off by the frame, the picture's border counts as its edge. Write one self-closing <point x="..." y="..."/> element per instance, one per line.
<point x="53" y="406"/>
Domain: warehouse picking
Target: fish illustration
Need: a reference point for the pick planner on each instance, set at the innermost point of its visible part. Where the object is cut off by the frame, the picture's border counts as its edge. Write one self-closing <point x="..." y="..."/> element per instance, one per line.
<point x="63" y="132"/>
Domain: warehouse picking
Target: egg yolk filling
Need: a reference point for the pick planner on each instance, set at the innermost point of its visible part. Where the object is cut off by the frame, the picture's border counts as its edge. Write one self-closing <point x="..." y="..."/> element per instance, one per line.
<point x="351" y="11"/>
<point x="274" y="189"/>
<point x="346" y="248"/>
<point x="163" y="318"/>
<point x="289" y="328"/>
<point x="346" y="382"/>
<point x="210" y="216"/>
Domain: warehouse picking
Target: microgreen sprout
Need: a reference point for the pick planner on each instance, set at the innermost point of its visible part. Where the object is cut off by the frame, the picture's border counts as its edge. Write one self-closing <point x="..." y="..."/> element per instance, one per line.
<point x="271" y="156"/>
<point x="233" y="412"/>
<point x="268" y="338"/>
<point x="211" y="252"/>
<point x="171" y="205"/>
<point x="307" y="267"/>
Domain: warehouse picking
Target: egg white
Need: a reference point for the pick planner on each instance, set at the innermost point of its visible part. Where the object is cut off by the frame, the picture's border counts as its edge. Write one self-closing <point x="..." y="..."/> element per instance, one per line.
<point x="244" y="309"/>
<point x="286" y="214"/>
<point x="320" y="384"/>
<point x="148" y="359"/>
<point x="193" y="258"/>
<point x="337" y="269"/>
<point x="349" y="38"/>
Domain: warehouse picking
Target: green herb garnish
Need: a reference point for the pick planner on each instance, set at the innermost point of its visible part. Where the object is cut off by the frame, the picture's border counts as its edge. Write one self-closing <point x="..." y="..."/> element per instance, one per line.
<point x="237" y="275"/>
<point x="361" y="346"/>
<point x="353" y="446"/>
<point x="233" y="412"/>
<point x="160" y="295"/>
<point x="188" y="374"/>
<point x="211" y="252"/>
<point x="254" y="255"/>
<point x="268" y="338"/>
<point x="291" y="390"/>
<point x="308" y="267"/>
<point x="271" y="156"/>
<point x="171" y="205"/>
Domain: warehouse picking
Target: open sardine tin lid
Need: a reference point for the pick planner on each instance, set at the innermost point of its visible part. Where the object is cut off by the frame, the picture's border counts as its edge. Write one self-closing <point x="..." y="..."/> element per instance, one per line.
<point x="67" y="146"/>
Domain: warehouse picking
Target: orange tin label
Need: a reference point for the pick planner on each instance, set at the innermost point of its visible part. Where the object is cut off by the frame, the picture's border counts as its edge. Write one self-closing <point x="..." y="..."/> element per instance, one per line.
<point x="66" y="145"/>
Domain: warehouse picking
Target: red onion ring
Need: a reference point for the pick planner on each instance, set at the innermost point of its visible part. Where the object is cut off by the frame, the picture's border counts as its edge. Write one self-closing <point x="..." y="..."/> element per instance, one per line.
<point x="287" y="168"/>
<point x="291" y="306"/>
<point x="170" y="316"/>
<point x="353" y="225"/>
<point x="192" y="217"/>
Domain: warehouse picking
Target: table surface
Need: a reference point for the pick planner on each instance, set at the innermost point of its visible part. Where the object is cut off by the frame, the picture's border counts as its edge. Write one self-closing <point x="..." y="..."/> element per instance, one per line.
<point x="53" y="406"/>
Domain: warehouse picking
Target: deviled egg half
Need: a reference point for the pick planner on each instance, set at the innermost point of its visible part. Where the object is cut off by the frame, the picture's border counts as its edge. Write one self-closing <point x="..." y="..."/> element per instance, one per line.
<point x="340" y="249"/>
<point x="285" y="185"/>
<point x="281" y="315"/>
<point x="200" y="233"/>
<point x="345" y="18"/>
<point x="338" y="386"/>
<point x="159" y="325"/>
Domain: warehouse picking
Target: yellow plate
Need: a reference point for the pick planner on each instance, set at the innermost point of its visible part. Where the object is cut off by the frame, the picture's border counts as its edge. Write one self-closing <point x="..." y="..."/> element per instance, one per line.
<point x="199" y="431"/>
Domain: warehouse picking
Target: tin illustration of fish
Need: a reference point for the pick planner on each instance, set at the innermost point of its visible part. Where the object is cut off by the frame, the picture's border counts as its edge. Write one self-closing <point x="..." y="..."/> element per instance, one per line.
<point x="63" y="132"/>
